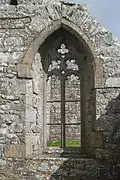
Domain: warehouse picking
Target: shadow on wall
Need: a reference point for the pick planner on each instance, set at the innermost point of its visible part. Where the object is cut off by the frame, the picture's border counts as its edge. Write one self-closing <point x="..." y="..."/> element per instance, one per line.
<point x="92" y="169"/>
<point x="76" y="169"/>
<point x="86" y="169"/>
<point x="109" y="123"/>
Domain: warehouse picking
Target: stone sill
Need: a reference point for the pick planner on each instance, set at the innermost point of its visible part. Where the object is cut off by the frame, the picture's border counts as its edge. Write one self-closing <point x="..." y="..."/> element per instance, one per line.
<point x="74" y="152"/>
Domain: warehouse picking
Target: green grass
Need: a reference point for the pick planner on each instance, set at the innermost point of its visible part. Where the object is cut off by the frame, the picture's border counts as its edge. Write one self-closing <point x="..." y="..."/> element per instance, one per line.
<point x="68" y="144"/>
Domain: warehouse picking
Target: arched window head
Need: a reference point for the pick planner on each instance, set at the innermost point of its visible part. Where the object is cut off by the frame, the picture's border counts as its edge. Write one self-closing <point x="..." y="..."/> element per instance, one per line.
<point x="67" y="91"/>
<point x="13" y="2"/>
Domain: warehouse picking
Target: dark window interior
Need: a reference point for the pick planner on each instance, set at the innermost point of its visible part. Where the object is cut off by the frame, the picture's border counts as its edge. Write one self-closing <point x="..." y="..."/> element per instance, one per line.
<point x="13" y="2"/>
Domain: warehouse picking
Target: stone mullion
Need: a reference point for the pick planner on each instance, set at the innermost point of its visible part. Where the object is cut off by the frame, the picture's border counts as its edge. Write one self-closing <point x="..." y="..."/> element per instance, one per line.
<point x="62" y="112"/>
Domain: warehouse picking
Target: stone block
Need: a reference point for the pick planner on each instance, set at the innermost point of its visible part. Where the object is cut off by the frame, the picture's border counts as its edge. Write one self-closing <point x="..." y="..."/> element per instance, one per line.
<point x="2" y="162"/>
<point x="29" y="1"/>
<point x="31" y="115"/>
<point x="15" y="150"/>
<point x="32" y="144"/>
<point x="103" y="154"/>
<point x="96" y="140"/>
<point x="35" y="129"/>
<point x="112" y="82"/>
<point x="24" y="71"/>
<point x="5" y="2"/>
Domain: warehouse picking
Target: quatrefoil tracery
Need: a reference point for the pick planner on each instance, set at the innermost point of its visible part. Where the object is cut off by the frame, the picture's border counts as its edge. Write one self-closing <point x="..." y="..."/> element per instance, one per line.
<point x="63" y="64"/>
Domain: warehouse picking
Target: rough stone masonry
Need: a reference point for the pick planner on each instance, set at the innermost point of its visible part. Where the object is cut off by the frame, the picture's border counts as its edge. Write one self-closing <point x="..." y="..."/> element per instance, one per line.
<point x="30" y="32"/>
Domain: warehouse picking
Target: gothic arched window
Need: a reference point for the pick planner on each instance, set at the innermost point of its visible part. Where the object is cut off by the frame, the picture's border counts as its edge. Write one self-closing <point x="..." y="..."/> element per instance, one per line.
<point x="68" y="91"/>
<point x="63" y="99"/>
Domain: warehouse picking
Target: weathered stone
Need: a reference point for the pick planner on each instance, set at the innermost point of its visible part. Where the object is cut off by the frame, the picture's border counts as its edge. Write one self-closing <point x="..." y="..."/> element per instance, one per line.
<point x="32" y="144"/>
<point x="31" y="115"/>
<point x="3" y="131"/>
<point x="4" y="58"/>
<point x="35" y="129"/>
<point x="113" y="82"/>
<point x="15" y="150"/>
<point x="35" y="37"/>
<point x="2" y="162"/>
<point x="24" y="71"/>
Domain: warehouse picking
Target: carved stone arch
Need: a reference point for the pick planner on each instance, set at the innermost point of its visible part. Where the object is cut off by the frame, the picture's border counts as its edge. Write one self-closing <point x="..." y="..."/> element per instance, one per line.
<point x="26" y="62"/>
<point x="48" y="52"/>
<point x="89" y="103"/>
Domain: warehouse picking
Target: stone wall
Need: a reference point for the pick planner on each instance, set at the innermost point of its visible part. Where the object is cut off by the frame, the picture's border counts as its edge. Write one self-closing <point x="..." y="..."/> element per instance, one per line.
<point x="59" y="168"/>
<point x="21" y="82"/>
<point x="12" y="105"/>
<point x="51" y="168"/>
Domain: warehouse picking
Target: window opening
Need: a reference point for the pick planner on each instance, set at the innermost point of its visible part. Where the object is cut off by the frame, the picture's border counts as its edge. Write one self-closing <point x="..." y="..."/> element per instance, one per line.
<point x="13" y="2"/>
<point x="63" y="100"/>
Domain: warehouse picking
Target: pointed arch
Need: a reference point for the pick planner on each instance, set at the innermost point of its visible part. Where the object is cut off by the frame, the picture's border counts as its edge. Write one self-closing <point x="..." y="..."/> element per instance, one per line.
<point x="92" y="72"/>
<point x="74" y="30"/>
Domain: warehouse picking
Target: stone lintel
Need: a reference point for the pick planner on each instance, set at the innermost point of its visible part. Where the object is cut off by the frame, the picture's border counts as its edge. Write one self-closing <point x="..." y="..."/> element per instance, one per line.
<point x="113" y="82"/>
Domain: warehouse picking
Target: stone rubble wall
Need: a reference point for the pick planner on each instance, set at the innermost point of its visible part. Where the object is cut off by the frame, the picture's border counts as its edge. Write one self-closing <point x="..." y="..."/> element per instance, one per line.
<point x="19" y="27"/>
<point x="19" y="112"/>
<point x="107" y="50"/>
<point x="58" y="169"/>
<point x="50" y="168"/>
<point x="7" y="2"/>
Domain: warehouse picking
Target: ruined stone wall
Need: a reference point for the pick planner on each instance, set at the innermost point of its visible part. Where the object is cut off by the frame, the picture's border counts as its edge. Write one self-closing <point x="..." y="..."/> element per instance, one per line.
<point x="34" y="108"/>
<point x="20" y="117"/>
<point x="19" y="98"/>
<point x="59" y="168"/>
<point x="51" y="168"/>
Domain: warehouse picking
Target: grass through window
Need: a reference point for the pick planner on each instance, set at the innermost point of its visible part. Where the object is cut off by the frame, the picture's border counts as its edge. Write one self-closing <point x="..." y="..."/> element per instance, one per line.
<point x="68" y="144"/>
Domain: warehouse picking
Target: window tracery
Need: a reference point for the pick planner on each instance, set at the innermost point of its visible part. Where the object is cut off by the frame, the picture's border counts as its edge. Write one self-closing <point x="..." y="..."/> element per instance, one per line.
<point x="64" y="64"/>
<point x="63" y="97"/>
